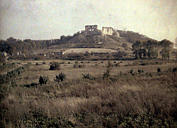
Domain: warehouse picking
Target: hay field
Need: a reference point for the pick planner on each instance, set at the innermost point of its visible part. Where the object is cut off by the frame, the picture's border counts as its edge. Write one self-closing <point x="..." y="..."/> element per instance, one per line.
<point x="89" y="50"/>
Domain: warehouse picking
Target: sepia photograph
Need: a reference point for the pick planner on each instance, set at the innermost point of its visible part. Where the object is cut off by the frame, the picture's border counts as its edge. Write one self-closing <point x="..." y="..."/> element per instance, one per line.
<point x="88" y="63"/>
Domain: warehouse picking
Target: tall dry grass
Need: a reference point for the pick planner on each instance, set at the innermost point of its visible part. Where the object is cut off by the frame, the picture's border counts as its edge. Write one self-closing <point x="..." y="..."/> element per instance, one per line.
<point x="128" y="101"/>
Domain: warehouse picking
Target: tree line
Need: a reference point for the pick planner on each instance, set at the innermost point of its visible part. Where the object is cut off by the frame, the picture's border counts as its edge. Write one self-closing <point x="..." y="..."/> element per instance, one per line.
<point x="152" y="49"/>
<point x="13" y="46"/>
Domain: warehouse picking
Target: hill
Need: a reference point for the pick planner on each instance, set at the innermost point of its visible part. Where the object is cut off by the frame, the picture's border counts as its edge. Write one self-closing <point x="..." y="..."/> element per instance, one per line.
<point x="120" y="40"/>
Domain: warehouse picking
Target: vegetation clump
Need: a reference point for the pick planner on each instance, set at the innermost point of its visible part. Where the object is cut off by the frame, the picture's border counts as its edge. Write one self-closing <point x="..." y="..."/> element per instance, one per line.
<point x="106" y="74"/>
<point x="60" y="77"/>
<point x="11" y="75"/>
<point x="43" y="80"/>
<point x="140" y="71"/>
<point x="158" y="70"/>
<point x="77" y="65"/>
<point x="175" y="69"/>
<point x="88" y="76"/>
<point x="55" y="66"/>
<point x="132" y="72"/>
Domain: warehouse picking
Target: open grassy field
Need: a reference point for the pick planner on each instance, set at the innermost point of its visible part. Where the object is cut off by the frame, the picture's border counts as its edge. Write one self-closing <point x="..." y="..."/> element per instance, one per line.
<point x="138" y="93"/>
<point x="89" y="50"/>
<point x="95" y="68"/>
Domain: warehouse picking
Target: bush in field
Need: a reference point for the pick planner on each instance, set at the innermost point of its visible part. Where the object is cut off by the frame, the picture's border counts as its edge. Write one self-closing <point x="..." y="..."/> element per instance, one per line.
<point x="15" y="72"/>
<point x="108" y="69"/>
<point x="106" y="74"/>
<point x="11" y="75"/>
<point x="81" y="66"/>
<point x="62" y="62"/>
<point x="3" y="79"/>
<point x="76" y="65"/>
<point x="55" y="66"/>
<point x="60" y="77"/>
<point x="175" y="69"/>
<point x="131" y="72"/>
<point x="43" y="80"/>
<point x="116" y="65"/>
<point x="140" y="71"/>
<point x="109" y="64"/>
<point x="88" y="76"/>
<point x="158" y="70"/>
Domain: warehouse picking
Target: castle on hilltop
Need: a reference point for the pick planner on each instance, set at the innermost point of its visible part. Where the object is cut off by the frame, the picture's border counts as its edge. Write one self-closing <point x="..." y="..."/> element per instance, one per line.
<point x="107" y="30"/>
<point x="91" y="29"/>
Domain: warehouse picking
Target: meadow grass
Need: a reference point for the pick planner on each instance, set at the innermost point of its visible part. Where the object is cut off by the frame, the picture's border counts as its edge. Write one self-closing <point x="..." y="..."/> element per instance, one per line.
<point x="146" y="99"/>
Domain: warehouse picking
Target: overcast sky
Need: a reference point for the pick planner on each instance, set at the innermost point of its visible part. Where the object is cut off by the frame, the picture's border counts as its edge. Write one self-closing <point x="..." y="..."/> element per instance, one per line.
<point x="49" y="19"/>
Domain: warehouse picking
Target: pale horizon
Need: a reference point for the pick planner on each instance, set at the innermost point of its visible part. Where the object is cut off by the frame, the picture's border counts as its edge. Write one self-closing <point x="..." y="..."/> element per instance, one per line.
<point x="40" y="20"/>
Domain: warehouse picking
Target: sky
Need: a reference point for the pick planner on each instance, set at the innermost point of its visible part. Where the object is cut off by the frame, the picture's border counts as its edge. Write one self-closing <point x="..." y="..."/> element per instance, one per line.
<point x="49" y="19"/>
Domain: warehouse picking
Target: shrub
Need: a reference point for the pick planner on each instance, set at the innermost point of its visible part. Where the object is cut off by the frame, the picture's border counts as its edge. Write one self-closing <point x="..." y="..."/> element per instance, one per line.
<point x="81" y="66"/>
<point x="106" y="74"/>
<point x="116" y="65"/>
<point x="131" y="72"/>
<point x="30" y="85"/>
<point x="33" y="84"/>
<point x="175" y="69"/>
<point x="158" y="70"/>
<point x="88" y="76"/>
<point x="11" y="75"/>
<point x="60" y="77"/>
<point x="140" y="71"/>
<point x="108" y="69"/>
<point x="76" y="65"/>
<point x="55" y="66"/>
<point x="109" y="64"/>
<point x="62" y="62"/>
<point x="43" y="80"/>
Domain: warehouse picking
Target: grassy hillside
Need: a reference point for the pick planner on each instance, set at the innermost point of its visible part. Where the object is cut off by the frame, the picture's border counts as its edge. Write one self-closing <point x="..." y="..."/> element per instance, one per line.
<point x="83" y="40"/>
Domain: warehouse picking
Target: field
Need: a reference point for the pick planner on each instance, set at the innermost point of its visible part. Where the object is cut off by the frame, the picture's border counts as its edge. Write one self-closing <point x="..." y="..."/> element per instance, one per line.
<point x="95" y="68"/>
<point x="89" y="50"/>
<point x="94" y="94"/>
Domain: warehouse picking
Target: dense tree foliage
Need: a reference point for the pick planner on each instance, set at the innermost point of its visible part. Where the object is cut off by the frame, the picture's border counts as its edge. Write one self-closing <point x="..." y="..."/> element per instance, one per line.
<point x="150" y="49"/>
<point x="14" y="46"/>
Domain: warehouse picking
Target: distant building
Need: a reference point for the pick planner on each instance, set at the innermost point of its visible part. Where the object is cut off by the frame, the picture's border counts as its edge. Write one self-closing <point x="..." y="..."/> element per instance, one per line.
<point x="91" y="28"/>
<point x="107" y="30"/>
<point x="175" y="45"/>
